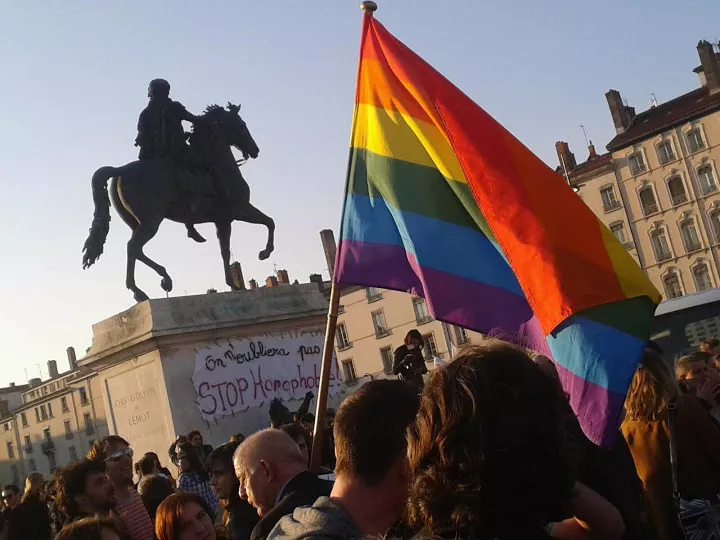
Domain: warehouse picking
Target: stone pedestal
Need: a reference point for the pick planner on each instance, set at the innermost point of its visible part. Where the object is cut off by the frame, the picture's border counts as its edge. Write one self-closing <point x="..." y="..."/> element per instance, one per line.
<point x="152" y="359"/>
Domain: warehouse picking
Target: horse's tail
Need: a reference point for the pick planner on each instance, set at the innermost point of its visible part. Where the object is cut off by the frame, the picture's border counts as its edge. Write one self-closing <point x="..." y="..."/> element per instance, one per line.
<point x="93" y="247"/>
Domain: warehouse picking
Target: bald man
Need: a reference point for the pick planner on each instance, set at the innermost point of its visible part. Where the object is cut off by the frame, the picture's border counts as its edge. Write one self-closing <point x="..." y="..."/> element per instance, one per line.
<point x="274" y="478"/>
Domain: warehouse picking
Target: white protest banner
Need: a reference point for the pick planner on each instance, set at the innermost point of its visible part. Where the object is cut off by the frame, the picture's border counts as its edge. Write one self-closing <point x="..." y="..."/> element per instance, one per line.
<point x="233" y="375"/>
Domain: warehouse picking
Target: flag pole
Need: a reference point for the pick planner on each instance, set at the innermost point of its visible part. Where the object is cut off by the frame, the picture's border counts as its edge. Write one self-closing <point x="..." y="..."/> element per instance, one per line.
<point x="320" y="412"/>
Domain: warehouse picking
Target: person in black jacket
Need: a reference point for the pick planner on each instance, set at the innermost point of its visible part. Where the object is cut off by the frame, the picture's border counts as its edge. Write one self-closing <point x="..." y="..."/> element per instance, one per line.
<point x="408" y="360"/>
<point x="274" y="478"/>
<point x="239" y="517"/>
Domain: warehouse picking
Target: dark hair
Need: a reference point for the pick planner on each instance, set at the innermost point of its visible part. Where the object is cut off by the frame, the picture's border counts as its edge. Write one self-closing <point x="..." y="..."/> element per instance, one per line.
<point x="153" y="490"/>
<point x="154" y="456"/>
<point x="169" y="514"/>
<point x="709" y="344"/>
<point x="297" y="431"/>
<point x="92" y="528"/>
<point x="146" y="465"/>
<point x="193" y="433"/>
<point x="414" y="334"/>
<point x="98" y="451"/>
<point x="238" y="438"/>
<point x="12" y="487"/>
<point x="188" y="450"/>
<point x="72" y="481"/>
<point x="224" y="455"/>
<point x="370" y="428"/>
<point x="486" y="450"/>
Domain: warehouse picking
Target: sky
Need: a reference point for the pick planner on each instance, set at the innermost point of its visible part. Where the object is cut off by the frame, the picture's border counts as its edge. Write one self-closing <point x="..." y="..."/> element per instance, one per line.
<point x="73" y="79"/>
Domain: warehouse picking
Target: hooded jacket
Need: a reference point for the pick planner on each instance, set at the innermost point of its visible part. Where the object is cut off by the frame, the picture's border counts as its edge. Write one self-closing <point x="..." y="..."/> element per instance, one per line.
<point x="324" y="519"/>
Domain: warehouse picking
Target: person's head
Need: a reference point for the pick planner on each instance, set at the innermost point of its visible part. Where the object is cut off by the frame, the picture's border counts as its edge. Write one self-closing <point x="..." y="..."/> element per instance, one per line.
<point x="222" y="472"/>
<point x="116" y="454"/>
<point x="486" y="450"/>
<point x="264" y="463"/>
<point x="370" y="443"/>
<point x="695" y="369"/>
<point x="156" y="458"/>
<point x="158" y="89"/>
<point x="94" y="528"/>
<point x="710" y="346"/>
<point x="308" y="422"/>
<point x="153" y="490"/>
<point x="34" y="485"/>
<point x="188" y="460"/>
<point x="147" y="465"/>
<point x="652" y="388"/>
<point x="184" y="516"/>
<point x="414" y="339"/>
<point x="238" y="438"/>
<point x="11" y="496"/>
<point x="195" y="438"/>
<point x="300" y="435"/>
<point x="84" y="489"/>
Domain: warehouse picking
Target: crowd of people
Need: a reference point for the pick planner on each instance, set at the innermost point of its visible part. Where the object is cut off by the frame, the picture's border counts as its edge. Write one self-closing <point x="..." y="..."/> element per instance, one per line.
<point x="487" y="448"/>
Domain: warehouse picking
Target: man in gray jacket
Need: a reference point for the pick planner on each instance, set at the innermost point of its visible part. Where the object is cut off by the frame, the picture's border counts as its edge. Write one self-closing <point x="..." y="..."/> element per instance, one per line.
<point x="372" y="475"/>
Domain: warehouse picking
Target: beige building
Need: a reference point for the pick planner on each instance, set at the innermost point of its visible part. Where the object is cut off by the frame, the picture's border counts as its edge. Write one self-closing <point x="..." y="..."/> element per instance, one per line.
<point x="657" y="187"/>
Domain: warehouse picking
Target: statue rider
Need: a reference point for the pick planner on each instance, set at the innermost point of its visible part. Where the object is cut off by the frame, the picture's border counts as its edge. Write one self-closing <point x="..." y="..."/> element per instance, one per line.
<point x="161" y="133"/>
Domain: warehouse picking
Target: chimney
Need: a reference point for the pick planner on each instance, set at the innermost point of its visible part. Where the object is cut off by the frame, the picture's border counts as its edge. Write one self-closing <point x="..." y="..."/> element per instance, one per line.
<point x="591" y="151"/>
<point x="710" y="66"/>
<point x="4" y="408"/>
<point x="271" y="281"/>
<point x="283" y="278"/>
<point x="237" y="277"/>
<point x="565" y="156"/>
<point x="328" y="241"/>
<point x="35" y="381"/>
<point x="622" y="115"/>
<point x="253" y="284"/>
<point x="12" y="385"/>
<point x="316" y="278"/>
<point x="52" y="369"/>
<point x="72" y="360"/>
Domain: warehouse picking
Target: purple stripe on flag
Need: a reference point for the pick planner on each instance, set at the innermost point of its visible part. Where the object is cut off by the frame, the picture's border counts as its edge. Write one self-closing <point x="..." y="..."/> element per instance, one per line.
<point x="456" y="300"/>
<point x="594" y="404"/>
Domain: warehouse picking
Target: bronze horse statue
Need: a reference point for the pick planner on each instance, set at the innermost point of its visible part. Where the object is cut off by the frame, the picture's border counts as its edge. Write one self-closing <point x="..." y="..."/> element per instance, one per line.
<point x="207" y="188"/>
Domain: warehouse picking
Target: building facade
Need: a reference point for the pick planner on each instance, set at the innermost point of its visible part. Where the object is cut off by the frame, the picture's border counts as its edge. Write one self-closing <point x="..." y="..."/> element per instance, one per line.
<point x="657" y="187"/>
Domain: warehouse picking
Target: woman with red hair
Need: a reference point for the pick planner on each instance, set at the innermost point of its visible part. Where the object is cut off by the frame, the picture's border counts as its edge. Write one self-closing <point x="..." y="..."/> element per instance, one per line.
<point x="185" y="516"/>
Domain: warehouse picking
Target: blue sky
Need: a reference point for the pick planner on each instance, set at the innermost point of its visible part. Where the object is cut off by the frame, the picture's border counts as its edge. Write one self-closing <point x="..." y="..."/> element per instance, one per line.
<point x="74" y="78"/>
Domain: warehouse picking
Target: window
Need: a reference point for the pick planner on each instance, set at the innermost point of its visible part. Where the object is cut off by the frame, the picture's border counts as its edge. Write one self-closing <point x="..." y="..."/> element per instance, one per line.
<point x="715" y="221"/>
<point x="50" y="413"/>
<point x="461" y="337"/>
<point x="23" y="419"/>
<point x="660" y="245"/>
<point x="28" y="444"/>
<point x="43" y="412"/>
<point x="373" y="294"/>
<point x="701" y="276"/>
<point x="11" y="450"/>
<point x="647" y="201"/>
<point x="637" y="163"/>
<point x="690" y="235"/>
<point x="32" y="465"/>
<point x="6" y="426"/>
<point x="68" y="430"/>
<point x="386" y="355"/>
<point x="52" y="462"/>
<point x="63" y="404"/>
<point x="343" y="342"/>
<point x="694" y="140"/>
<point x="665" y="152"/>
<point x="706" y="179"/>
<point x="349" y="371"/>
<point x="46" y="434"/>
<point x="381" y="329"/>
<point x="37" y="414"/>
<point x="15" y="474"/>
<point x="88" y="423"/>
<point x="677" y="190"/>
<point x="618" y="230"/>
<point x="83" y="396"/>
<point x="698" y="331"/>
<point x="430" y="348"/>
<point x="609" y="200"/>
<point x="421" y="312"/>
<point x="73" y="453"/>
<point x="672" y="286"/>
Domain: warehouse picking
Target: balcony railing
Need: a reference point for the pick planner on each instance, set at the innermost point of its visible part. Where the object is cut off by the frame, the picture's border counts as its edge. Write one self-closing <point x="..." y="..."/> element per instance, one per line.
<point x="381" y="332"/>
<point x="423" y="320"/>
<point x="680" y="198"/>
<point x="609" y="207"/>
<point x="47" y="447"/>
<point x="693" y="247"/>
<point x="28" y="449"/>
<point x="649" y="209"/>
<point x="663" y="256"/>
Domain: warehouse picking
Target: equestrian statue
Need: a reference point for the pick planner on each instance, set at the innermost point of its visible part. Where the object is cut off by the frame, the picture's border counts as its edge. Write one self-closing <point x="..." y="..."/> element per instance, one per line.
<point x="199" y="182"/>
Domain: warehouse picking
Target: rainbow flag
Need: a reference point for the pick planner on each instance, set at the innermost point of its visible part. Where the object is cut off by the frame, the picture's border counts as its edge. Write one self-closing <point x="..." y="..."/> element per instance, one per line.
<point x="443" y="202"/>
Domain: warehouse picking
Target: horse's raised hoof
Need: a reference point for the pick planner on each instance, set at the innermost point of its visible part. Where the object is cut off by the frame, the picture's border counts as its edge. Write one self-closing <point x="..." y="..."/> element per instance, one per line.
<point x="166" y="284"/>
<point x="141" y="296"/>
<point x="265" y="253"/>
<point x="193" y="234"/>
